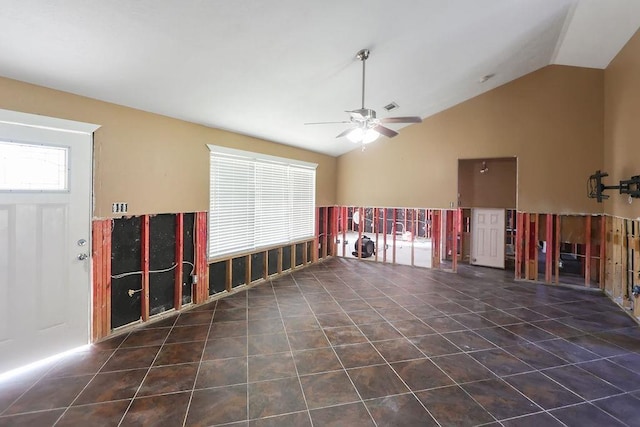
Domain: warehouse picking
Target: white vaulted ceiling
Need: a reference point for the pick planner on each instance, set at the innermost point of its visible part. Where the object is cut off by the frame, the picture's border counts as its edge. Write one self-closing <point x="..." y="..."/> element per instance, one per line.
<point x="264" y="68"/>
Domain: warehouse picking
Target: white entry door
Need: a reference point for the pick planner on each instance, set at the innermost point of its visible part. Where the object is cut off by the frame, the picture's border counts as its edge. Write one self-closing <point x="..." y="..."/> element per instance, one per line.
<point x="45" y="248"/>
<point x="487" y="238"/>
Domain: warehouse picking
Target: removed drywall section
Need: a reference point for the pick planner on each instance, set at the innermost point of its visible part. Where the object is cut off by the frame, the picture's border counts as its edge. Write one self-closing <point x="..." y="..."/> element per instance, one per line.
<point x="162" y="249"/>
<point x="126" y="271"/>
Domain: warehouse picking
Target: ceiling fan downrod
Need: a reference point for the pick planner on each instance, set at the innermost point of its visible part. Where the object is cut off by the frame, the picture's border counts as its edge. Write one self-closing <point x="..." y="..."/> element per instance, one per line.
<point x="363" y="55"/>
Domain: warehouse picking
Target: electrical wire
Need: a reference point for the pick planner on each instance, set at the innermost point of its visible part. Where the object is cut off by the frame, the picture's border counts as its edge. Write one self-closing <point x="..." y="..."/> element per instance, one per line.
<point x="164" y="270"/>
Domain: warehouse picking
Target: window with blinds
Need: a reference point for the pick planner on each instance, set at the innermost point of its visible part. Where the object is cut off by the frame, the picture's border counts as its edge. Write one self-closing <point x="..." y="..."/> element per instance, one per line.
<point x="258" y="201"/>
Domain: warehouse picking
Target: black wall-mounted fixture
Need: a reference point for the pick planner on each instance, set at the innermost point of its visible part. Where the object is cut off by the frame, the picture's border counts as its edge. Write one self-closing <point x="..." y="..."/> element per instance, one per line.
<point x="596" y="188"/>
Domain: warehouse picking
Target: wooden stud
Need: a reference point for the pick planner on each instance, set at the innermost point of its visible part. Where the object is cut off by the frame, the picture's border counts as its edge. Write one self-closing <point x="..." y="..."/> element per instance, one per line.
<point x="101" y="258"/>
<point x="317" y="236"/>
<point x="345" y="224"/>
<point x="201" y="290"/>
<point x="548" y="261"/>
<point x="247" y="270"/>
<point x="375" y="221"/>
<point x="281" y="254"/>
<point x="519" y="244"/>
<point x="527" y="238"/>
<point x="534" y="246"/>
<point x="360" y="227"/>
<point x="395" y="218"/>
<point x="557" y="247"/>
<point x="228" y="286"/>
<point x="334" y="230"/>
<point x="325" y="237"/>
<point x="414" y="229"/>
<point x="177" y="290"/>
<point x="454" y="243"/>
<point x="587" y="251"/>
<point x="384" y="234"/>
<point x="436" y="218"/>
<point x="265" y="266"/>
<point x="603" y="251"/>
<point x="144" y="303"/>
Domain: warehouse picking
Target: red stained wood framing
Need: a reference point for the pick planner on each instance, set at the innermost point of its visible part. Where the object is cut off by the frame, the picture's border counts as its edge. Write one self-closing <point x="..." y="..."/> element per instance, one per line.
<point x="345" y="223"/>
<point x="557" y="248"/>
<point x="527" y="252"/>
<point x="384" y="235"/>
<point x="395" y="218"/>
<point x="519" y="243"/>
<point x="201" y="289"/>
<point x="587" y="251"/>
<point x="101" y="258"/>
<point x="317" y="236"/>
<point x="177" y="292"/>
<point x="454" y="243"/>
<point x="603" y="253"/>
<point x="334" y="230"/>
<point x="375" y="229"/>
<point x="144" y="303"/>
<point x="361" y="225"/>
<point x="435" y="238"/>
<point x="325" y="234"/>
<point x="548" y="264"/>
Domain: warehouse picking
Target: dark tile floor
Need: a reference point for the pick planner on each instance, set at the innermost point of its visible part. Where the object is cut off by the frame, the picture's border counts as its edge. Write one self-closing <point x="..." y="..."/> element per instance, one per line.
<point x="348" y="343"/>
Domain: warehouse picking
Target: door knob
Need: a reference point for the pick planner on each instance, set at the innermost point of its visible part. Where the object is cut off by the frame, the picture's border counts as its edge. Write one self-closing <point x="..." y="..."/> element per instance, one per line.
<point x="82" y="257"/>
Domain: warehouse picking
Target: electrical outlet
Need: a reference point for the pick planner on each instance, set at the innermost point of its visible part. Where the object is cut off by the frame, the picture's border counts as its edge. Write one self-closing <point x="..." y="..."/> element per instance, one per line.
<point x="119" y="207"/>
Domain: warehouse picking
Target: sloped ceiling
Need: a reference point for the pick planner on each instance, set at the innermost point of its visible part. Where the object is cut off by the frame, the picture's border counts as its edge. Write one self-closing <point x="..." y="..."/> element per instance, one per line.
<point x="264" y="68"/>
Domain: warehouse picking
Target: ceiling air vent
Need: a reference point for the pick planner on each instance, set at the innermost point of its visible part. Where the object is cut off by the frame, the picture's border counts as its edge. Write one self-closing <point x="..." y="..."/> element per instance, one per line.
<point x="391" y="106"/>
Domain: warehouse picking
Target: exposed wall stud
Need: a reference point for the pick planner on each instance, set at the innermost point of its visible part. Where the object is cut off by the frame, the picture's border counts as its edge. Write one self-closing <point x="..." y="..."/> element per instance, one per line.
<point x="101" y="258"/>
<point x="144" y="303"/>
<point x="177" y="292"/>
<point x="587" y="251"/>
<point x="548" y="258"/>
<point x="361" y="224"/>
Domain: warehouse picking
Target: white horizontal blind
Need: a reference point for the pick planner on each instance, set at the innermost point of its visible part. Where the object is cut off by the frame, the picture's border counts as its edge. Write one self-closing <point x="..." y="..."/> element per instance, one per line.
<point x="258" y="201"/>
<point x="302" y="190"/>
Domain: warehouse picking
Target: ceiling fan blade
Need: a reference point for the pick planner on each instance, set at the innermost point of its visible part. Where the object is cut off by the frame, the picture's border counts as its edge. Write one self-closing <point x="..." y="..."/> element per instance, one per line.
<point x="409" y="119"/>
<point x="326" y="123"/>
<point x="385" y="131"/>
<point x="345" y="132"/>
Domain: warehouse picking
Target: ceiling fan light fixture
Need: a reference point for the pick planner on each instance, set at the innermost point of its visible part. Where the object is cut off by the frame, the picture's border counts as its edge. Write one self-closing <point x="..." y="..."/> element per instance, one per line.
<point x="365" y="136"/>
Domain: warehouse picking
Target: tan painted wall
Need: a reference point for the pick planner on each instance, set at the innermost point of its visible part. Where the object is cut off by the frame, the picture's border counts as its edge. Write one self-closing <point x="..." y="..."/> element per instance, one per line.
<point x="622" y="126"/>
<point x="155" y="163"/>
<point x="495" y="188"/>
<point x="551" y="120"/>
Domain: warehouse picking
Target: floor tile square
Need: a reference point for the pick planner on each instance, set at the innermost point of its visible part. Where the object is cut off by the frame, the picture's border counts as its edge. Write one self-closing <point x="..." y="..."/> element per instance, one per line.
<point x="267" y="344"/>
<point x="344" y="335"/>
<point x="97" y="414"/>
<point x="222" y="372"/>
<point x="111" y="386"/>
<point x="218" y="406"/>
<point x="271" y="367"/>
<point x="224" y="348"/>
<point x="171" y="354"/>
<point x="169" y="379"/>
<point x="328" y="389"/>
<point x="275" y="397"/>
<point x="376" y="381"/>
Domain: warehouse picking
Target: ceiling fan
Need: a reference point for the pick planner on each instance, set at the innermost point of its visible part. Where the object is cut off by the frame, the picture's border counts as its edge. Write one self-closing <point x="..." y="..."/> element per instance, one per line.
<point x="366" y="126"/>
